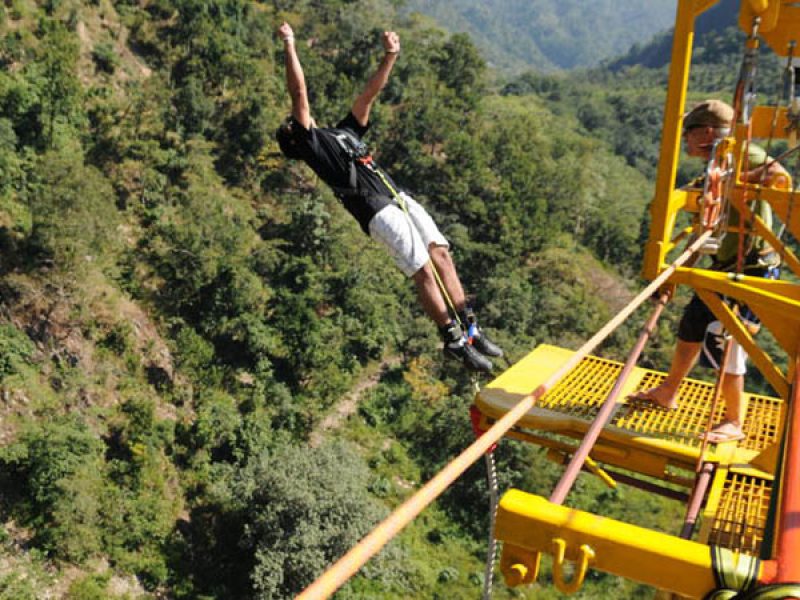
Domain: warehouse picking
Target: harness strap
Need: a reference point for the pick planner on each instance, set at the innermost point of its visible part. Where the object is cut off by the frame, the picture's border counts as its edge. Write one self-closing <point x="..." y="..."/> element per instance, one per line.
<point x="357" y="151"/>
<point x="401" y="201"/>
<point x="734" y="573"/>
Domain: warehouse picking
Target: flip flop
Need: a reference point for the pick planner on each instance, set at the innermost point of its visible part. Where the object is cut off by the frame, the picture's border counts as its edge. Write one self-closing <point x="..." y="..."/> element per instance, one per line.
<point x="643" y="397"/>
<point x="715" y="436"/>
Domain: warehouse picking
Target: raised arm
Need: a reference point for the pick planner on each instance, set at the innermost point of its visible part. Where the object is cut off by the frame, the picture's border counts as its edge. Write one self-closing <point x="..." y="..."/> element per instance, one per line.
<point x="295" y="79"/>
<point x="363" y="104"/>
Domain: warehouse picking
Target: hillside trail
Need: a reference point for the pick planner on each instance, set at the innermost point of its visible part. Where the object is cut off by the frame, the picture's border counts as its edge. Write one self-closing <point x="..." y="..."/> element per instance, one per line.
<point x="349" y="402"/>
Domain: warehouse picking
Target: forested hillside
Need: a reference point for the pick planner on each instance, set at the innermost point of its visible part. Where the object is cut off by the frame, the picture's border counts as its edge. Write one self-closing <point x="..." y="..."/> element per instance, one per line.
<point x="551" y="34"/>
<point x="181" y="308"/>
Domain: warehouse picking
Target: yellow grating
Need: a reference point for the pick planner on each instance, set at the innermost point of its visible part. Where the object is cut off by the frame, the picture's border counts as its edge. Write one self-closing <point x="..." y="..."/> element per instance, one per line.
<point x="581" y="392"/>
<point x="684" y="423"/>
<point x="742" y="514"/>
<point x="763" y="421"/>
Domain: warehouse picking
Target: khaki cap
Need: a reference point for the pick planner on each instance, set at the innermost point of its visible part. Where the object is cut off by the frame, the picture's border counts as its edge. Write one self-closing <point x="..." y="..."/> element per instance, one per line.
<point x="711" y="113"/>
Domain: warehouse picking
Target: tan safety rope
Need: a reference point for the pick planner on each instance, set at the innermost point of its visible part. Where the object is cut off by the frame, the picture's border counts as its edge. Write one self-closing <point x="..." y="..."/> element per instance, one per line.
<point x="351" y="562"/>
<point x="370" y="164"/>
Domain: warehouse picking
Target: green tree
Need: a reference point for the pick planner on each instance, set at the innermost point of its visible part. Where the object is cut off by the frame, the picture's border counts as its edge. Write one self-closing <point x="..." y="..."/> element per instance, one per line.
<point x="16" y="350"/>
<point x="282" y="519"/>
<point x="60" y="90"/>
<point x="74" y="213"/>
<point x="56" y="469"/>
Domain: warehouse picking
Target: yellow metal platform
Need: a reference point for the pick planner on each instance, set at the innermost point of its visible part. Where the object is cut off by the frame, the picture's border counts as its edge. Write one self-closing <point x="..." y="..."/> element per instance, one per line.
<point x="646" y="440"/>
<point x="639" y="435"/>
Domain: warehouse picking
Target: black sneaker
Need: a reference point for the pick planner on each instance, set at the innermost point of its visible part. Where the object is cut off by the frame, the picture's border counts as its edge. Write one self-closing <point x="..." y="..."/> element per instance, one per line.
<point x="470" y="357"/>
<point x="482" y="343"/>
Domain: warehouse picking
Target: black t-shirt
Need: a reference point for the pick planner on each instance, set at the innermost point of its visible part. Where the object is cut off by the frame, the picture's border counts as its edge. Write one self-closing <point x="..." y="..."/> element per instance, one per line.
<point x="363" y="195"/>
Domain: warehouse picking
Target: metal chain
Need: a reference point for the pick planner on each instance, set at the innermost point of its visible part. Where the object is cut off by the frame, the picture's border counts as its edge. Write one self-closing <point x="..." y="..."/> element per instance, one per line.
<point x="491" y="477"/>
<point x="491" y="474"/>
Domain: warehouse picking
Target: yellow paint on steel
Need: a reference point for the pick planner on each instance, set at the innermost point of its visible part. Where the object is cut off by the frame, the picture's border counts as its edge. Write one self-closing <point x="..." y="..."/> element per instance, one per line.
<point x="701" y="6"/>
<point x="758" y="7"/>
<point x="734" y="325"/>
<point x="528" y="524"/>
<point x="596" y="469"/>
<point x="735" y="516"/>
<point x="761" y="123"/>
<point x="376" y="539"/>
<point x="777" y="303"/>
<point x="661" y="213"/>
<point x="640" y="438"/>
<point x="761" y="229"/>
<point x="585" y="556"/>
<point x="780" y="22"/>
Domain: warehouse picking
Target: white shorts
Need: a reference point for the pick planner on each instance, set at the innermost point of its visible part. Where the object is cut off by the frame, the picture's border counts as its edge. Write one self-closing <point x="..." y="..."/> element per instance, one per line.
<point x="713" y="345"/>
<point x="407" y="237"/>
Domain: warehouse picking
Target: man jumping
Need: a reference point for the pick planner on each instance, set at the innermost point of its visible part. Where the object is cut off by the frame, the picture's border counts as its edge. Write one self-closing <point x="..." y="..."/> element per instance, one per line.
<point x="387" y="213"/>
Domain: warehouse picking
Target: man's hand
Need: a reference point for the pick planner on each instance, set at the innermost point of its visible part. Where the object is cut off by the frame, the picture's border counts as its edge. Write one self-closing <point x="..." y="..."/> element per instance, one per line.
<point x="391" y="42"/>
<point x="285" y="32"/>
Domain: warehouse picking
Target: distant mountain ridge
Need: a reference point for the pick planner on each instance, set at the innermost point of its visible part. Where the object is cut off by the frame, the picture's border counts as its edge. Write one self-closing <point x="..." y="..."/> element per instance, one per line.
<point x="656" y="53"/>
<point x="551" y="34"/>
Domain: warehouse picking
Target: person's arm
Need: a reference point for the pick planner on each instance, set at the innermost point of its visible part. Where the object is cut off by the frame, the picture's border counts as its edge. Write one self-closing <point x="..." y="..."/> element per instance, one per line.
<point x="295" y="79"/>
<point x="363" y="104"/>
<point x="776" y="176"/>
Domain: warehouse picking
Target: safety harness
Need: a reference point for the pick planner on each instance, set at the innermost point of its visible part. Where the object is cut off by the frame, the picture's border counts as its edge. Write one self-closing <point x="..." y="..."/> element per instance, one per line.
<point x="358" y="152"/>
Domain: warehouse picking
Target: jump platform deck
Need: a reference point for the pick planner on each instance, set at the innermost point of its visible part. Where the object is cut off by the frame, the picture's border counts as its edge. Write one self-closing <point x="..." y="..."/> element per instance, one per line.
<point x="647" y="440"/>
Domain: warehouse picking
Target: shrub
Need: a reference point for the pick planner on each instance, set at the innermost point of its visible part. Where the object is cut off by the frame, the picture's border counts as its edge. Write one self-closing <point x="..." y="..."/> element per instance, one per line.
<point x="15" y="350"/>
<point x="56" y="469"/>
<point x="105" y="57"/>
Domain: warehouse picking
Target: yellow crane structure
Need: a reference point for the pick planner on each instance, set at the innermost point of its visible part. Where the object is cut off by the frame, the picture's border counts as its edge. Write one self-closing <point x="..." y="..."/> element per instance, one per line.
<point x="746" y="493"/>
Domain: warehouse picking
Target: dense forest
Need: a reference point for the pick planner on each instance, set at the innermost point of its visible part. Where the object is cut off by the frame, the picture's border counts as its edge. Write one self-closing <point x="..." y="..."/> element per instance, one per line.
<point x="212" y="382"/>
<point x="551" y="34"/>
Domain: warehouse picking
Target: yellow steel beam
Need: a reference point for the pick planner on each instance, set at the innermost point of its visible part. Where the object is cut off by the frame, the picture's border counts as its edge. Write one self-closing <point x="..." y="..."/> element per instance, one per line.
<point x="766" y="10"/>
<point x="761" y="359"/>
<point x="780" y="22"/>
<point x="712" y="502"/>
<point x="529" y="524"/>
<point x="785" y="204"/>
<point x="777" y="303"/>
<point x="775" y="294"/>
<point x="653" y="459"/>
<point x="761" y="229"/>
<point x="766" y="122"/>
<point x="662" y="217"/>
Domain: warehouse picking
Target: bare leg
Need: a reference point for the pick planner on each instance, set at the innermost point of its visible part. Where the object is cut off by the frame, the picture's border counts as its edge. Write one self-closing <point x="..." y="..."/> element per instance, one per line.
<point x="682" y="362"/>
<point x="430" y="297"/>
<point x="730" y="429"/>
<point x="447" y="271"/>
<point x="733" y="390"/>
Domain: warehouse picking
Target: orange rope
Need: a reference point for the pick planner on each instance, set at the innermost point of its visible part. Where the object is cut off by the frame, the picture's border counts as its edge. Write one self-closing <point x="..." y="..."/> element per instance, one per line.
<point x="357" y="556"/>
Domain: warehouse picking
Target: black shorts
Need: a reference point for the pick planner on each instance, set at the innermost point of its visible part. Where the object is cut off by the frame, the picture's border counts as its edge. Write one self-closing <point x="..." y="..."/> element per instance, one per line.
<point x="695" y="320"/>
<point x="697" y="316"/>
